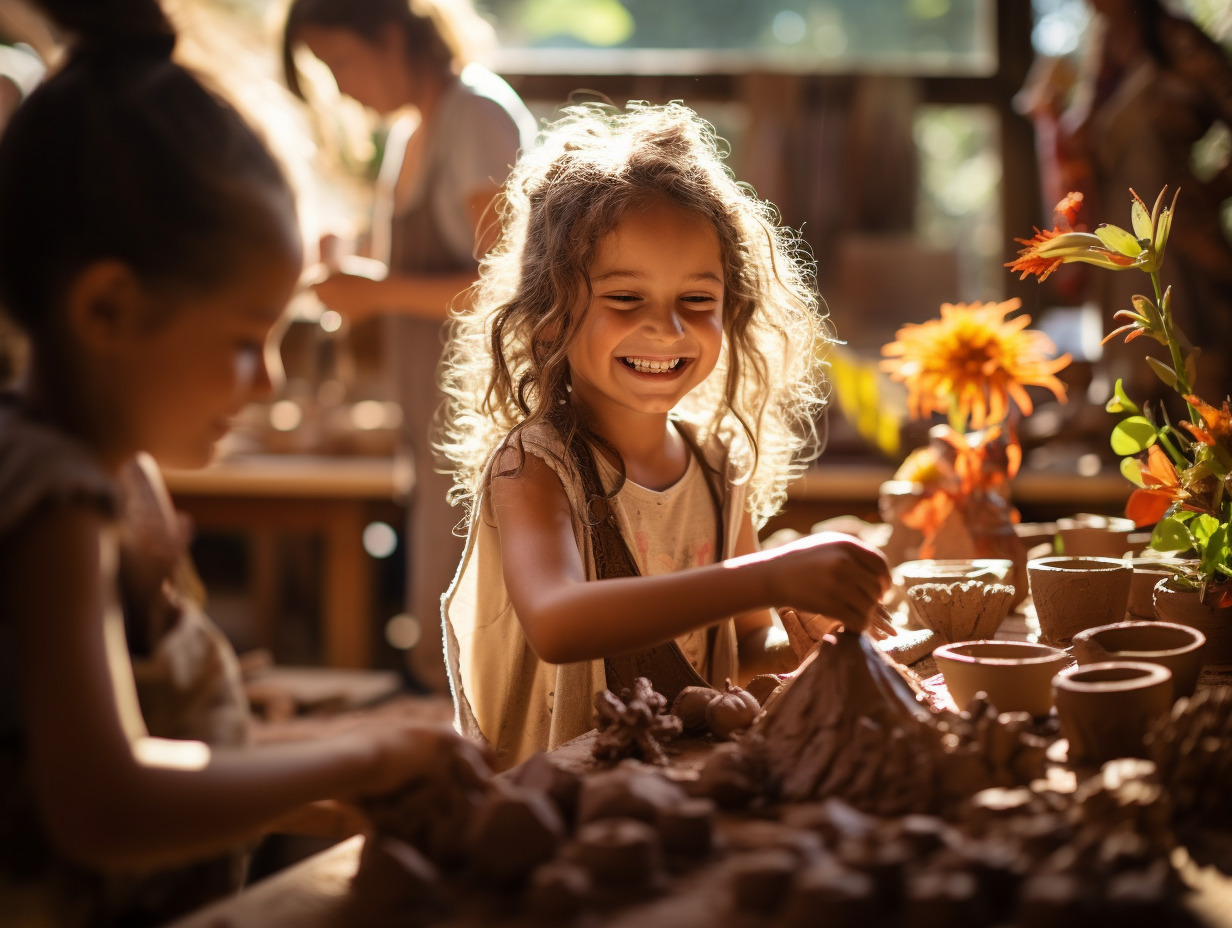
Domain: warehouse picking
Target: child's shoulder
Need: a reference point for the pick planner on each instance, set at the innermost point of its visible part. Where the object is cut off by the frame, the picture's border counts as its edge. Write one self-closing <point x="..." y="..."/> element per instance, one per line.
<point x="40" y="464"/>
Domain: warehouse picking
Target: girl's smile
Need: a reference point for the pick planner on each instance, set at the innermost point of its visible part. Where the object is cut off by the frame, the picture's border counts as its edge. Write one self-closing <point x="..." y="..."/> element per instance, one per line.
<point x="653" y="326"/>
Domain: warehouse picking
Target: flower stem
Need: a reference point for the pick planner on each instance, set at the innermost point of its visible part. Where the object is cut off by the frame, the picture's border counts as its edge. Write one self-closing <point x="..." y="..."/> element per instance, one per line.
<point x="1183" y="387"/>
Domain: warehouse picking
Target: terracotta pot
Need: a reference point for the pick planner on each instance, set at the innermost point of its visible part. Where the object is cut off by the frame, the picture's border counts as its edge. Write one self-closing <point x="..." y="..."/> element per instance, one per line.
<point x="1177" y="647"/>
<point x="1185" y="607"/>
<point x="1148" y="571"/>
<point x="1106" y="709"/>
<point x="1073" y="593"/>
<point x="1087" y="535"/>
<point x="1016" y="675"/>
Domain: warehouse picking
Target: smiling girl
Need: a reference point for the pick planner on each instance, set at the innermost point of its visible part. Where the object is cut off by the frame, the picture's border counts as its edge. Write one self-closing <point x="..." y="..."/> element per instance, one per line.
<point x="630" y="396"/>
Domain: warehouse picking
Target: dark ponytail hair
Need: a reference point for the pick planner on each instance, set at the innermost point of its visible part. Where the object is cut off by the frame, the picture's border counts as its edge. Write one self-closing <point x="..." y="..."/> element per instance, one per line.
<point x="124" y="155"/>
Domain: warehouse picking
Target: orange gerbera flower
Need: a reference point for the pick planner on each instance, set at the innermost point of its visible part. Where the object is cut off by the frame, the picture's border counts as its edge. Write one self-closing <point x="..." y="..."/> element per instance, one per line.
<point x="972" y="362"/>
<point x="1162" y="487"/>
<point x="1216" y="423"/>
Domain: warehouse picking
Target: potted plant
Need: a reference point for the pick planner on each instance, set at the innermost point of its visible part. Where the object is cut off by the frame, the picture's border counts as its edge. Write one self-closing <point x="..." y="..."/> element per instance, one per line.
<point x="1180" y="470"/>
<point x="972" y="364"/>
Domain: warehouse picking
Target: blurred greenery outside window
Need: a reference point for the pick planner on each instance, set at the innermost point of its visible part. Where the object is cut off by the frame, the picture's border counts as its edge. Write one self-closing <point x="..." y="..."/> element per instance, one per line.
<point x="708" y="36"/>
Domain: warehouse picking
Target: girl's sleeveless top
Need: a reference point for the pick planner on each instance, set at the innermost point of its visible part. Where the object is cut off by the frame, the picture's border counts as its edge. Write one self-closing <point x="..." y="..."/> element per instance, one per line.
<point x="503" y="694"/>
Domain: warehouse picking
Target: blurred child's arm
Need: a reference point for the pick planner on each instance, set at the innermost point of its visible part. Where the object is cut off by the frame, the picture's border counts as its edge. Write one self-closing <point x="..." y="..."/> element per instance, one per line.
<point x="112" y="797"/>
<point x="566" y="618"/>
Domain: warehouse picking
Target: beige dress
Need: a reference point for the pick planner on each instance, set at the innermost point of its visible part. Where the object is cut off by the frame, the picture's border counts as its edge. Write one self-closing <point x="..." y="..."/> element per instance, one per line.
<point x="504" y="695"/>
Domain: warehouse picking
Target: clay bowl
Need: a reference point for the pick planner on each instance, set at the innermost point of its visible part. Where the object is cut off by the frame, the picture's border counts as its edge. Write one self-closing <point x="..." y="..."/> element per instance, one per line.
<point x="1073" y="593"/>
<point x="1087" y="535"/>
<point x="1177" y="647"/>
<point x="963" y="611"/>
<point x="949" y="570"/>
<point x="1016" y="675"/>
<point x="1106" y="709"/>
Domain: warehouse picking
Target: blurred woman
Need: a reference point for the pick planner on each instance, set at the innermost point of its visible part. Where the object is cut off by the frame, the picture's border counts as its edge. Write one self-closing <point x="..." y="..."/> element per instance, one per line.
<point x="456" y="131"/>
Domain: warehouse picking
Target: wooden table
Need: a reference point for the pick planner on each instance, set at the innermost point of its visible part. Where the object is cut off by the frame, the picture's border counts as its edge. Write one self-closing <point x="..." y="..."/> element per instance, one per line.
<point x="334" y="498"/>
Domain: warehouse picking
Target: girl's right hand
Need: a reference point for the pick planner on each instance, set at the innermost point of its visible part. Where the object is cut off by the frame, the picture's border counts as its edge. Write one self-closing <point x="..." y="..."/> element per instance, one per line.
<point x="404" y="752"/>
<point x="830" y="573"/>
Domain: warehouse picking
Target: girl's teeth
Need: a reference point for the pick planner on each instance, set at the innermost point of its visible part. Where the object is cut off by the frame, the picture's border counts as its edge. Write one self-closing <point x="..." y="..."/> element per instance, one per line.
<point x="643" y="366"/>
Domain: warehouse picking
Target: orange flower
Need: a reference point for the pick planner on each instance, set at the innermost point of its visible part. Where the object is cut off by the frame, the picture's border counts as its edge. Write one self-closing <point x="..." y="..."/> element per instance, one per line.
<point x="1148" y="504"/>
<point x="972" y="362"/>
<point x="1217" y="423"/>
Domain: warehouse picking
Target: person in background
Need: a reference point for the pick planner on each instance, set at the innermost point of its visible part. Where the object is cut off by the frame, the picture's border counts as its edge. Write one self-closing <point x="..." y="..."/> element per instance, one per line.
<point x="457" y="129"/>
<point x="1150" y="86"/>
<point x="148" y="245"/>
<point x="634" y="388"/>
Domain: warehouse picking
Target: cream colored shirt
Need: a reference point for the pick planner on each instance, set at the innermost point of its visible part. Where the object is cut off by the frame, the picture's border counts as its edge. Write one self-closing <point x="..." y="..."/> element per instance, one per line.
<point x="669" y="530"/>
<point x="504" y="696"/>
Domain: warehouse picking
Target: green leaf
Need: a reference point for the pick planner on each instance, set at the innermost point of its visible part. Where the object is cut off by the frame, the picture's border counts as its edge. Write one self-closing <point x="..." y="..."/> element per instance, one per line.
<point x="1170" y="534"/>
<point x="1191" y="364"/>
<point x="1131" y="470"/>
<point x="1203" y="528"/>
<point x="1120" y="401"/>
<point x="1216" y="551"/>
<point x="1132" y="435"/>
<point x="1117" y="239"/>
<point x="1162" y="371"/>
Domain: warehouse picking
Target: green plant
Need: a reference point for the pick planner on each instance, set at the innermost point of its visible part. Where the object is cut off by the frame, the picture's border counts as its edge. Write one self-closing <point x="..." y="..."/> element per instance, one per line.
<point x="1180" y="470"/>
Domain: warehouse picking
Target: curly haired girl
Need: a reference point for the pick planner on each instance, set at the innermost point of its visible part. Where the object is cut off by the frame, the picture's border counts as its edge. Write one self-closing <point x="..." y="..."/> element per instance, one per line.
<point x="632" y="392"/>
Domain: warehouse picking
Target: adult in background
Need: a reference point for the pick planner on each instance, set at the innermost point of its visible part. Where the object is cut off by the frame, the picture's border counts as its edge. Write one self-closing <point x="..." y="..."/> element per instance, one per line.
<point x="456" y="130"/>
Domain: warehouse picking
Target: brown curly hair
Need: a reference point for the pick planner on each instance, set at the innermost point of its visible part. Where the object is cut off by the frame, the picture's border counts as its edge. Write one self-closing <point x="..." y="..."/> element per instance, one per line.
<point x="506" y="366"/>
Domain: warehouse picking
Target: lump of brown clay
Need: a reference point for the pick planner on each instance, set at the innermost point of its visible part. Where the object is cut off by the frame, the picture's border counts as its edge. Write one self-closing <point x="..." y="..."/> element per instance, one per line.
<point x="513" y="831"/>
<point x="760" y="880"/>
<point x="394" y="880"/>
<point x="687" y="829"/>
<point x="620" y="851"/>
<point x="733" y="776"/>
<point x="562" y="786"/>
<point x="826" y="894"/>
<point x="761" y="686"/>
<point x="627" y="791"/>
<point x="558" y="890"/>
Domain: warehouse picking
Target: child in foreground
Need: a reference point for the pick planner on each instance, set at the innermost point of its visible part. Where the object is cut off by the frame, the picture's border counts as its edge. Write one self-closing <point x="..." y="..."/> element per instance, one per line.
<point x="148" y="245"/>
<point x="631" y="394"/>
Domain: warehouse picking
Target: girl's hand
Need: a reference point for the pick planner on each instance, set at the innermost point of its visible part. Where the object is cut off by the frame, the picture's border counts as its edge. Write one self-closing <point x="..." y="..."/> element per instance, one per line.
<point x="408" y="751"/>
<point x="805" y="629"/>
<point x="836" y="576"/>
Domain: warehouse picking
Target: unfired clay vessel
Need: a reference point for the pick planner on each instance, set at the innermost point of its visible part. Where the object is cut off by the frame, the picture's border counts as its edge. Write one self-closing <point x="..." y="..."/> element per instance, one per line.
<point x="1087" y="535"/>
<point x="1016" y="675"/>
<point x="1185" y="607"/>
<point x="949" y="570"/>
<point x="1177" y="647"/>
<point x="1073" y="593"/>
<point x="1106" y="709"/>
<point x="962" y="611"/>
<point x="1148" y="571"/>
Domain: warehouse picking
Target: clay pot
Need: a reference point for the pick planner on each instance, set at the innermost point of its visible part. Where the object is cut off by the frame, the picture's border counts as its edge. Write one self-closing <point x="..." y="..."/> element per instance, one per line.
<point x="1087" y="535"/>
<point x="962" y="611"/>
<point x="1106" y="709"/>
<point x="1185" y="607"/>
<point x="1016" y="675"/>
<point x="949" y="570"/>
<point x="1177" y="647"/>
<point x="1148" y="571"/>
<point x="1073" y="593"/>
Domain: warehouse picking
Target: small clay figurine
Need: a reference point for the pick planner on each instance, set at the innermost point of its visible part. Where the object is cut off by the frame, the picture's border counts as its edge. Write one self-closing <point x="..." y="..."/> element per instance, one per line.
<point x="633" y="724"/>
